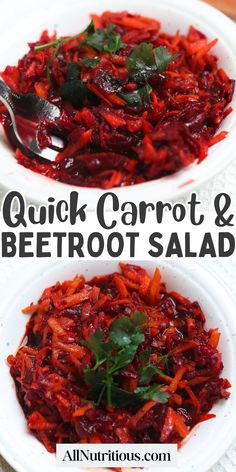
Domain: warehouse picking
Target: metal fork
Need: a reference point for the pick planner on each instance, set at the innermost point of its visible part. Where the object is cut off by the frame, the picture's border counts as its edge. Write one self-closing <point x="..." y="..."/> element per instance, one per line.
<point x="26" y="111"/>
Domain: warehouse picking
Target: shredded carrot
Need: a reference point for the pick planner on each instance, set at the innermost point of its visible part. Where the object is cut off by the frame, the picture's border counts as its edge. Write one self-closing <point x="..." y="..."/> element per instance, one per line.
<point x="95" y="440"/>
<point x="214" y="338"/>
<point x="205" y="49"/>
<point x="113" y="119"/>
<point x="174" y="384"/>
<point x="100" y="302"/>
<point x="124" y="301"/>
<point x="180" y="426"/>
<point x="140" y="413"/>
<point x="186" y="346"/>
<point x="206" y="417"/>
<point x="168" y="425"/>
<point x="129" y="283"/>
<point x="219" y="137"/>
<point x="193" y="398"/>
<point x="73" y="299"/>
<point x="82" y="410"/>
<point x="30" y="309"/>
<point x="56" y="327"/>
<point x="154" y="290"/>
<point x="121" y="286"/>
<point x="197" y="381"/>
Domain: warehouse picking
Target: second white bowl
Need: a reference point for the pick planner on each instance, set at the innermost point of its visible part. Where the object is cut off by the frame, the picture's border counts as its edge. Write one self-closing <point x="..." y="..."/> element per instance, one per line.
<point x="23" y="451"/>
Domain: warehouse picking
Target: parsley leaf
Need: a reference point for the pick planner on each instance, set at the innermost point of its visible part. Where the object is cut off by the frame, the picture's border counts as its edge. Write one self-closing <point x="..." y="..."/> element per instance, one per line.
<point x="114" y="41"/>
<point x="144" y="61"/>
<point x="93" y="377"/>
<point x="164" y="358"/>
<point x="140" y="98"/>
<point x="152" y="393"/>
<point x="75" y="91"/>
<point x="95" y="40"/>
<point x="72" y="71"/>
<point x="96" y="380"/>
<point x="124" y="357"/>
<point x="163" y="58"/>
<point x="89" y="62"/>
<point x="138" y="318"/>
<point x="90" y="28"/>
<point x="147" y="373"/>
<point x="104" y="40"/>
<point x="57" y="44"/>
<point x="126" y="334"/>
<point x="100" y="39"/>
<point x="144" y="356"/>
<point x="121" y="398"/>
<point x="126" y="330"/>
<point x="141" y="63"/>
<point x="100" y="349"/>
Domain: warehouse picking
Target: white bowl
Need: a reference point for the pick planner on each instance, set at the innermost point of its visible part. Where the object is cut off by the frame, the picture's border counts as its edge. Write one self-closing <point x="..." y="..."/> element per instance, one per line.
<point x="173" y="14"/>
<point x="23" y="451"/>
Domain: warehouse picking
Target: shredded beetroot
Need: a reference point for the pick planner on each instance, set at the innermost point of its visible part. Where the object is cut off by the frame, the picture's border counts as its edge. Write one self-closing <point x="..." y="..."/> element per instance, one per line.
<point x="112" y="142"/>
<point x="49" y="368"/>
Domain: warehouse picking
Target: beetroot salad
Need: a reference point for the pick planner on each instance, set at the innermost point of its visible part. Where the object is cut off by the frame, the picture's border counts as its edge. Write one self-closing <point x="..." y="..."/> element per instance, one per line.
<point x="117" y="359"/>
<point x="136" y="102"/>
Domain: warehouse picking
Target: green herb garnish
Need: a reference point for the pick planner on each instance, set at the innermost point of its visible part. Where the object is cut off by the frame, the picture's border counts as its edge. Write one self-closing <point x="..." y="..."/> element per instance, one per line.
<point x="57" y="44"/>
<point x="90" y="28"/>
<point x="105" y="40"/>
<point x="73" y="89"/>
<point x="148" y="372"/>
<point x="163" y="358"/>
<point x="125" y="331"/>
<point x="95" y="40"/>
<point x="164" y="361"/>
<point x="50" y="61"/>
<point x="144" y="61"/>
<point x="144" y="356"/>
<point x="140" y="98"/>
<point x="40" y="47"/>
<point x="114" y="42"/>
<point x="73" y="71"/>
<point x="153" y="392"/>
<point x="89" y="62"/>
<point x="100" y="350"/>
<point x="163" y="58"/>
<point x="125" y="336"/>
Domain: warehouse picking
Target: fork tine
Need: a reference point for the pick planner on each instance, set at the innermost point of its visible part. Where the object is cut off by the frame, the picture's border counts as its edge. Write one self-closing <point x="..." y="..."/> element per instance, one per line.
<point x="33" y="109"/>
<point x="18" y="145"/>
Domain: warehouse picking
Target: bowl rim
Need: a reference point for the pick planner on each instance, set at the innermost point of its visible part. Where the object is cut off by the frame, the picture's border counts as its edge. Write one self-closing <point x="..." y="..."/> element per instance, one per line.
<point x="10" y="452"/>
<point x="38" y="188"/>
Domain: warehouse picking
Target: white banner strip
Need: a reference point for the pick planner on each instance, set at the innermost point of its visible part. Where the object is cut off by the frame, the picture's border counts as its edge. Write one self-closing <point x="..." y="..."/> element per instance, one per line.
<point x="116" y="455"/>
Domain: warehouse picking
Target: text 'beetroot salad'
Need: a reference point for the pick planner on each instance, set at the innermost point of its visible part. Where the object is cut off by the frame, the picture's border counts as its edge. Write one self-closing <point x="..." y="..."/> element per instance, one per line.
<point x="116" y="360"/>
<point x="137" y="103"/>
